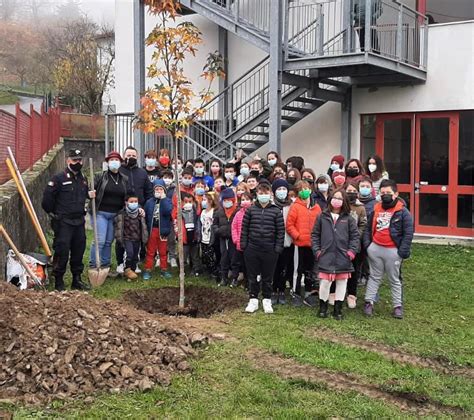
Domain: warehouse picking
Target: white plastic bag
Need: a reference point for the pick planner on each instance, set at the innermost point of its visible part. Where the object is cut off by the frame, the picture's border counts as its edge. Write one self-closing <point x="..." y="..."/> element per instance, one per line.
<point x="18" y="276"/>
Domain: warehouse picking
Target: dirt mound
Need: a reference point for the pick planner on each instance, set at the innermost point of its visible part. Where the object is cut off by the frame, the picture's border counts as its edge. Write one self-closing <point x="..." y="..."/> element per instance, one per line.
<point x="61" y="345"/>
<point x="201" y="302"/>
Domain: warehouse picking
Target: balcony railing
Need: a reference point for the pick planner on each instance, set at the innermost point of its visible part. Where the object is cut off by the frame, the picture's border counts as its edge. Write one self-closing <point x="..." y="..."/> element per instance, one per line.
<point x="387" y="28"/>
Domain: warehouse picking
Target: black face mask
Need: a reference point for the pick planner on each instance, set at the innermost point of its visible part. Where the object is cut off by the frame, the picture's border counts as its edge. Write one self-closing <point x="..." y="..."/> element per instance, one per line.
<point x="131" y="161"/>
<point x="255" y="173"/>
<point x="291" y="180"/>
<point x="352" y="172"/>
<point x="388" y="201"/>
<point x="309" y="181"/>
<point x="352" y="197"/>
<point x="75" y="167"/>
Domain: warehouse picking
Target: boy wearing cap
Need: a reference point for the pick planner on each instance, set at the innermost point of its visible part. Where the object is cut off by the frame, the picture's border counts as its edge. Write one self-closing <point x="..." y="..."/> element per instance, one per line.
<point x="158" y="211"/>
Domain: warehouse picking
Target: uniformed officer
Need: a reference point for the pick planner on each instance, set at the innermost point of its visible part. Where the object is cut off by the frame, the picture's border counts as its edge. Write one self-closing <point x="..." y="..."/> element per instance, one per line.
<point x="64" y="200"/>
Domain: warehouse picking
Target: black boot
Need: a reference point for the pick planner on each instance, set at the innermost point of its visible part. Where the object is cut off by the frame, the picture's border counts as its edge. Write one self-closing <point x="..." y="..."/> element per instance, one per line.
<point x="78" y="284"/>
<point x="224" y="282"/>
<point x="338" y="310"/>
<point x="59" y="283"/>
<point x="323" y="308"/>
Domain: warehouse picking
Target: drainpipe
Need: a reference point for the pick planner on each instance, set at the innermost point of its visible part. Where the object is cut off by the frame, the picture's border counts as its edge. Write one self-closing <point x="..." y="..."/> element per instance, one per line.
<point x="138" y="70"/>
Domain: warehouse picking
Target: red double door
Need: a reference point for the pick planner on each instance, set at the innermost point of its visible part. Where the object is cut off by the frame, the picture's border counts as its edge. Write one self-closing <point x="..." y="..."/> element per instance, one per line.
<point x="431" y="156"/>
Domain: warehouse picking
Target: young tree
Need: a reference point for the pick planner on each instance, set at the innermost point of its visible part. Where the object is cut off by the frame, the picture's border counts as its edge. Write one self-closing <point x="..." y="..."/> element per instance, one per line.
<point x="171" y="103"/>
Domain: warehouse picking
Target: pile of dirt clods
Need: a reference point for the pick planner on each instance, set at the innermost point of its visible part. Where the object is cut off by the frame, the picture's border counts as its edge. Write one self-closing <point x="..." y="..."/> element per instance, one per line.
<point x="61" y="345"/>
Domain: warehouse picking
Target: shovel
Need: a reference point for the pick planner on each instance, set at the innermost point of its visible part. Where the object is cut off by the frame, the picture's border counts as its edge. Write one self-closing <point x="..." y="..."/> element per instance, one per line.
<point x="97" y="275"/>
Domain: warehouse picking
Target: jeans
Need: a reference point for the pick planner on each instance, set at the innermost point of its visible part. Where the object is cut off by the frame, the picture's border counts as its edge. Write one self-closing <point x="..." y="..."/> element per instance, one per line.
<point x="105" y="237"/>
<point x="132" y="248"/>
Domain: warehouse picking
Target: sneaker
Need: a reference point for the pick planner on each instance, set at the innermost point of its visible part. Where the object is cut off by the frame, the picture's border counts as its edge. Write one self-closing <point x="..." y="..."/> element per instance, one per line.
<point x="362" y="281"/>
<point x="166" y="274"/>
<point x="332" y="299"/>
<point x="296" y="300"/>
<point x="157" y="262"/>
<point x="398" y="312"/>
<point x="146" y="275"/>
<point x="197" y="274"/>
<point x="275" y="297"/>
<point x="129" y="274"/>
<point x="235" y="283"/>
<point x="259" y="278"/>
<point x="267" y="306"/>
<point x="310" y="300"/>
<point x="120" y="269"/>
<point x="173" y="263"/>
<point x="368" y="309"/>
<point x="282" y="298"/>
<point x="224" y="282"/>
<point x="137" y="270"/>
<point x="252" y="306"/>
<point x="351" y="301"/>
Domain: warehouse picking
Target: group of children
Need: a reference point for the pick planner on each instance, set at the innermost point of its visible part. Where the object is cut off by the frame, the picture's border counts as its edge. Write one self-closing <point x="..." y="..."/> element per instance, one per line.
<point x="265" y="223"/>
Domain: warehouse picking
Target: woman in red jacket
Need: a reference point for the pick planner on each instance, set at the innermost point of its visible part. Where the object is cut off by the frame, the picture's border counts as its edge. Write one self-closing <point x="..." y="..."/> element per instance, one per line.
<point x="299" y="225"/>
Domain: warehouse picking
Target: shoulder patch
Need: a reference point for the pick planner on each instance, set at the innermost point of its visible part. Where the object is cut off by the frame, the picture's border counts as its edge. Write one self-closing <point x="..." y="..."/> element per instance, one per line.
<point x="51" y="183"/>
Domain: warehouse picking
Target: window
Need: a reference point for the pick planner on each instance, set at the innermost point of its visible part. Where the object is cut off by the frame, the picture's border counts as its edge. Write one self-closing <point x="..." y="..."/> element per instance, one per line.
<point x="368" y="136"/>
<point x="466" y="148"/>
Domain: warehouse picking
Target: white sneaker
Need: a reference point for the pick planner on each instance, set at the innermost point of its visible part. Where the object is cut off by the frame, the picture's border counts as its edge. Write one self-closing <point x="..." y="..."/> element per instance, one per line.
<point x="252" y="306"/>
<point x="332" y="298"/>
<point x="137" y="270"/>
<point x="157" y="262"/>
<point x="267" y="306"/>
<point x="120" y="269"/>
<point x="173" y="263"/>
<point x="259" y="277"/>
<point x="351" y="301"/>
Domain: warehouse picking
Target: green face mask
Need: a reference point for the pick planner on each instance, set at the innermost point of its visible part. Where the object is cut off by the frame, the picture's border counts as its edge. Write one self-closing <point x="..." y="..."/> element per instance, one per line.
<point x="304" y="194"/>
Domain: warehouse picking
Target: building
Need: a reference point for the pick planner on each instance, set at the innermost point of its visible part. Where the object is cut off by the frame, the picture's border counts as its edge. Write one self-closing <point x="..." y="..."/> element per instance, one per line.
<point x="357" y="77"/>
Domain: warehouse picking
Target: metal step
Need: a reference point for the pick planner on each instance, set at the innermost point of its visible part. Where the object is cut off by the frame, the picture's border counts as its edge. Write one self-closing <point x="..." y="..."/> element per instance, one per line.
<point x="297" y="109"/>
<point x="290" y="118"/>
<point x="309" y="100"/>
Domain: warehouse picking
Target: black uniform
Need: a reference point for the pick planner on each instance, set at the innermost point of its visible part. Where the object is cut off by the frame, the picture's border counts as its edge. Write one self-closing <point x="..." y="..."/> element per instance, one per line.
<point x="64" y="200"/>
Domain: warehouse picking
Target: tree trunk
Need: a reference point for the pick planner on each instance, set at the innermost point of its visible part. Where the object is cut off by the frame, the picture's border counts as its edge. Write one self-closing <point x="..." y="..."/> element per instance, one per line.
<point x="180" y="228"/>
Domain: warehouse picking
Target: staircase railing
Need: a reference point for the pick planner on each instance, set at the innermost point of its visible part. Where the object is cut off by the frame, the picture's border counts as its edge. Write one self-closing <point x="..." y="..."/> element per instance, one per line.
<point x="384" y="27"/>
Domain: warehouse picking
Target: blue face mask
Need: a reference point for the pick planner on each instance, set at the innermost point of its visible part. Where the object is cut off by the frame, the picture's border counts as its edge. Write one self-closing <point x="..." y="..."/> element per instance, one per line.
<point x="132" y="206"/>
<point x="227" y="204"/>
<point x="244" y="171"/>
<point x="335" y="166"/>
<point x="204" y="204"/>
<point x="114" y="165"/>
<point x="281" y="194"/>
<point x="187" y="182"/>
<point x="150" y="162"/>
<point x="263" y="198"/>
<point x="365" y="191"/>
<point x="200" y="191"/>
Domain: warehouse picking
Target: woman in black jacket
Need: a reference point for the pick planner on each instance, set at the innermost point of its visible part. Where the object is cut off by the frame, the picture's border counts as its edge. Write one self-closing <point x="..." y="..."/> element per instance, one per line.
<point x="335" y="243"/>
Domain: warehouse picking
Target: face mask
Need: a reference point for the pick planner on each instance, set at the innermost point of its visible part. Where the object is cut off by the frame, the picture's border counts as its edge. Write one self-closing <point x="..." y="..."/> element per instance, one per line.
<point x="254" y="173"/>
<point x="113" y="165"/>
<point x="387" y="199"/>
<point x="245" y="204"/>
<point x="227" y="204"/>
<point x="187" y="206"/>
<point x="244" y="171"/>
<point x="200" y="191"/>
<point x="167" y="181"/>
<point x="164" y="160"/>
<point x="199" y="171"/>
<point x="204" y="204"/>
<point x="229" y="176"/>
<point x="365" y="191"/>
<point x="372" y="167"/>
<point x="131" y="161"/>
<point x="352" y="197"/>
<point x="304" y="194"/>
<point x="180" y="167"/>
<point x="150" y="162"/>
<point x="308" y="180"/>
<point x="335" y="166"/>
<point x="158" y="194"/>
<point x="263" y="198"/>
<point x="272" y="162"/>
<point x="339" y="180"/>
<point x="323" y="187"/>
<point x="187" y="182"/>
<point x="336" y="203"/>
<point x="281" y="194"/>
<point x="291" y="180"/>
<point x="75" y="167"/>
<point x="352" y="172"/>
<point x="132" y="206"/>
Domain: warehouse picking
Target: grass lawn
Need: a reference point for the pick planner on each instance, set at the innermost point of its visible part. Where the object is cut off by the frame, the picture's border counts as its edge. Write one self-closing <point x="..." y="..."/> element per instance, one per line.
<point x="438" y="327"/>
<point x="7" y="98"/>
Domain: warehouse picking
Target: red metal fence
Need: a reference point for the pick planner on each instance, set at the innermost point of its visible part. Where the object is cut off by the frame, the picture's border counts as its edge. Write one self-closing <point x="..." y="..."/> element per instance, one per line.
<point x="30" y="136"/>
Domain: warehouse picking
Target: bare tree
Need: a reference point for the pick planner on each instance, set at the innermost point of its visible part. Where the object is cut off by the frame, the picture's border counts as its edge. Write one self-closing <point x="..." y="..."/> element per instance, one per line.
<point x="8" y="8"/>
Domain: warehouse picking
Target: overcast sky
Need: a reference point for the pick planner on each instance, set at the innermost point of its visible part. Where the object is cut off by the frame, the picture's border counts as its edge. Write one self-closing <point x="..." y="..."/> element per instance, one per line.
<point x="102" y="11"/>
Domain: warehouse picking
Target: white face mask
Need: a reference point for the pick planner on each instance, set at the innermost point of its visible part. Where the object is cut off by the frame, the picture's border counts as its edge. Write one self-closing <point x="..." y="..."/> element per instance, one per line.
<point x="159" y="194"/>
<point x="229" y="176"/>
<point x="167" y="181"/>
<point x="188" y="206"/>
<point x="323" y="187"/>
<point x="372" y="167"/>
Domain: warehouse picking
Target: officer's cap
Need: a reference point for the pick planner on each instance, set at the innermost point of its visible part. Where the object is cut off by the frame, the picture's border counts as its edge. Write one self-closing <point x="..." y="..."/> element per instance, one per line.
<point x="75" y="154"/>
